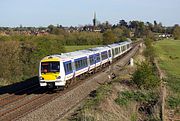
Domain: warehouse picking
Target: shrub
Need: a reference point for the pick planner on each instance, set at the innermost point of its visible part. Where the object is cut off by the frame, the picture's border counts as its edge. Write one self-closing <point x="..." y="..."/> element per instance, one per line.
<point x="122" y="101"/>
<point x="150" y="51"/>
<point x="173" y="102"/>
<point x="98" y="95"/>
<point x="145" y="77"/>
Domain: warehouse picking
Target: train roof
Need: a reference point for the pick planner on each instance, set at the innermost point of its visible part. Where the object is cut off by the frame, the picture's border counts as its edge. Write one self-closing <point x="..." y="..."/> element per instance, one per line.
<point x="98" y="49"/>
<point x="118" y="44"/>
<point x="83" y="53"/>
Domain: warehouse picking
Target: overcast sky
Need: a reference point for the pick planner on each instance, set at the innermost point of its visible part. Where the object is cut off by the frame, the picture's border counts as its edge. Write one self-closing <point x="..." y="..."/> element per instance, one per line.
<point x="80" y="12"/>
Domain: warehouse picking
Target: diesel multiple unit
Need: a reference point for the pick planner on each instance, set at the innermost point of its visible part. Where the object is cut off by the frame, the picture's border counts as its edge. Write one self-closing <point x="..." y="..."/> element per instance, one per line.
<point x="59" y="70"/>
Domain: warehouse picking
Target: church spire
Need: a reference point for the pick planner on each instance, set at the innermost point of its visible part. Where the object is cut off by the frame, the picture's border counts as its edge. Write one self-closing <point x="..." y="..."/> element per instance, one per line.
<point x="94" y="15"/>
<point x="94" y="19"/>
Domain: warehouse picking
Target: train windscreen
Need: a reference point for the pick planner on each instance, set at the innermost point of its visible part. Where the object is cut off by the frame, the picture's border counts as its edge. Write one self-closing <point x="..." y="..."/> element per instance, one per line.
<point x="47" y="67"/>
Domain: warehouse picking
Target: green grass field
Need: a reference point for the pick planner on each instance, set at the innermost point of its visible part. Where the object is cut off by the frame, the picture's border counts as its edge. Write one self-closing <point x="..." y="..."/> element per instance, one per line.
<point x="168" y="54"/>
<point x="75" y="48"/>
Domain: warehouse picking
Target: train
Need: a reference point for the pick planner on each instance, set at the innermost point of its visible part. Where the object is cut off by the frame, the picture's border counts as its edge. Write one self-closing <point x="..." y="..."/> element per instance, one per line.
<point x="59" y="70"/>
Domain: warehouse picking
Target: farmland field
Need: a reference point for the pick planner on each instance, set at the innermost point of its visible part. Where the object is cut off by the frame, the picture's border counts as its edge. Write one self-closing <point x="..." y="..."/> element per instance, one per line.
<point x="168" y="54"/>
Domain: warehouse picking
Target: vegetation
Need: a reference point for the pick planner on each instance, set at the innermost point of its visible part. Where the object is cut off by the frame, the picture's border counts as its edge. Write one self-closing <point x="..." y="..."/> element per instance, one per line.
<point x="140" y="96"/>
<point x="149" y="52"/>
<point x="176" y="32"/>
<point x="79" y="47"/>
<point x="168" y="52"/>
<point x="96" y="97"/>
<point x="145" y="77"/>
<point x="134" y="117"/>
<point x="20" y="59"/>
<point x="169" y="56"/>
<point x="108" y="37"/>
<point x="65" y="38"/>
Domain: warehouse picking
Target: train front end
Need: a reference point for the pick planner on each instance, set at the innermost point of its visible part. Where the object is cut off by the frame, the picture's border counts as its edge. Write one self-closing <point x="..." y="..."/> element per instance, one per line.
<point x="50" y="72"/>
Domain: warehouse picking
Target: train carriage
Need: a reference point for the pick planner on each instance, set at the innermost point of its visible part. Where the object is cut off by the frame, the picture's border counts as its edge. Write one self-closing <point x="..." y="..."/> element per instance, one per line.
<point x="57" y="70"/>
<point x="105" y="54"/>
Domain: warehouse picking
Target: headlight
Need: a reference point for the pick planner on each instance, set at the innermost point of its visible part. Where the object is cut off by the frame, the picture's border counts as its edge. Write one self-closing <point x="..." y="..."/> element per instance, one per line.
<point x="59" y="77"/>
<point x="41" y="78"/>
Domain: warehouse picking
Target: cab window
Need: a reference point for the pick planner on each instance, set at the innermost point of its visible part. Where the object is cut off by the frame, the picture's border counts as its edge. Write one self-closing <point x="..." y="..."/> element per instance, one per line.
<point x="50" y="67"/>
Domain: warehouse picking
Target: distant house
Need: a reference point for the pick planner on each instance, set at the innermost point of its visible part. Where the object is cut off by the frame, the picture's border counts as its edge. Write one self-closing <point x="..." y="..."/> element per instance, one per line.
<point x="165" y="35"/>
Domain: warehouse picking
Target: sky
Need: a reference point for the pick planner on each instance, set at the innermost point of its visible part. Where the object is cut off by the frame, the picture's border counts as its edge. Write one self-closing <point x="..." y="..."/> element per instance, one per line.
<point x="80" y="12"/>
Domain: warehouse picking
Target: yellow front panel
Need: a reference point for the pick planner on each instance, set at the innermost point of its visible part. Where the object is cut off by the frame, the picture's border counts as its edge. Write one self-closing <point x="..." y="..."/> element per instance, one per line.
<point x="50" y="76"/>
<point x="50" y="60"/>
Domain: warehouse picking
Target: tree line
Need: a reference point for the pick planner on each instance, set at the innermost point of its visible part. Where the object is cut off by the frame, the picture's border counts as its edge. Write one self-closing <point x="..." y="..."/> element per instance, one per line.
<point x="20" y="59"/>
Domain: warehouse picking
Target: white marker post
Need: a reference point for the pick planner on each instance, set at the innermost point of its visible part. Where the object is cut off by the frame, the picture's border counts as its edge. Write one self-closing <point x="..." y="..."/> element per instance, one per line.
<point x="131" y="62"/>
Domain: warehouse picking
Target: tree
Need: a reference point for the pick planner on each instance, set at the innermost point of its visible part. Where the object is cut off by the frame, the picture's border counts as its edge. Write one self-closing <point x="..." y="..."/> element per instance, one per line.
<point x="149" y="26"/>
<point x="108" y="37"/>
<point x="10" y="63"/>
<point x="118" y="33"/>
<point x="176" y="32"/>
<point x="55" y="30"/>
<point x="158" y="28"/>
<point x="133" y="24"/>
<point x="123" y="23"/>
<point x="126" y="31"/>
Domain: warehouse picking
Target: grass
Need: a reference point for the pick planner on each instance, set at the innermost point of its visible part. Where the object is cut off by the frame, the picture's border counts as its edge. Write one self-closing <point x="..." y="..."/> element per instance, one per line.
<point x="139" y="96"/>
<point x="168" y="53"/>
<point x="98" y="95"/>
<point x="146" y="99"/>
<point x="90" y="104"/>
<point x="134" y="117"/>
<point x="81" y="47"/>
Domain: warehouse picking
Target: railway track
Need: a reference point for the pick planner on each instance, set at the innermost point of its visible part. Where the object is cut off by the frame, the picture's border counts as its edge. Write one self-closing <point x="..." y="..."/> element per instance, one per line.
<point x="19" y="109"/>
<point x="17" y="106"/>
<point x="17" y="88"/>
<point x="18" y="95"/>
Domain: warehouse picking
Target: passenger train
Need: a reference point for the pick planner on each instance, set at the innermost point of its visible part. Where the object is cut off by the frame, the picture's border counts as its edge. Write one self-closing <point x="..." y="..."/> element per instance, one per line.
<point x="60" y="70"/>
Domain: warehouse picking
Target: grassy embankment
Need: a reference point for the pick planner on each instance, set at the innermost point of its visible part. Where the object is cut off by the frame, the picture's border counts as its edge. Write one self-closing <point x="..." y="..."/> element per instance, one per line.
<point x="120" y="100"/>
<point x="168" y="53"/>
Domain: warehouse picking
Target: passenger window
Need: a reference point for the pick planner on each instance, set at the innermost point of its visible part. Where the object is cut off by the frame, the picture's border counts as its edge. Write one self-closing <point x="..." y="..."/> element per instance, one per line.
<point x="67" y="67"/>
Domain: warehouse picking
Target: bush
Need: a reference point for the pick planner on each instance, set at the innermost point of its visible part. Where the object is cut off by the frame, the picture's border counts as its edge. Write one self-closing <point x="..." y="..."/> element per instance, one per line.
<point x="139" y="96"/>
<point x="145" y="76"/>
<point x="176" y="32"/>
<point x="173" y="82"/>
<point x="122" y="101"/>
<point x="98" y="95"/>
<point x="173" y="102"/>
<point x="150" y="51"/>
